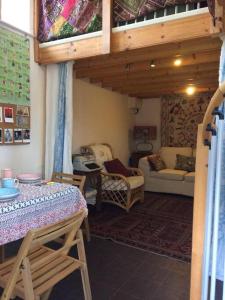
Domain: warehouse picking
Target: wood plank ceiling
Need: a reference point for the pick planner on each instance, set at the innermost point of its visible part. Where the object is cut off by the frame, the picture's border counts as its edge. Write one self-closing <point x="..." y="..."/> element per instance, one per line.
<point x="130" y="72"/>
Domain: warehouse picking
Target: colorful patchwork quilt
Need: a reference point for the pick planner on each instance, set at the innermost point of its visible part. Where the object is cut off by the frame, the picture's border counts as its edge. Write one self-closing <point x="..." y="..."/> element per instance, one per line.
<point x="65" y="18"/>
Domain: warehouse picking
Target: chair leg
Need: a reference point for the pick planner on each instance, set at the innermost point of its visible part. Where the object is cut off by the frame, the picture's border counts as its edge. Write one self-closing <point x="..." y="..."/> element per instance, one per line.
<point x="2" y="253"/>
<point x="27" y="280"/>
<point x="46" y="295"/>
<point x="84" y="270"/>
<point x="87" y="229"/>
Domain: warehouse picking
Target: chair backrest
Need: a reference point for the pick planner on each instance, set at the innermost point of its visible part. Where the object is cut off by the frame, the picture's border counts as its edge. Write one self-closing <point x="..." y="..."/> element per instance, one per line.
<point x="102" y="152"/>
<point x="76" y="180"/>
<point x="38" y="237"/>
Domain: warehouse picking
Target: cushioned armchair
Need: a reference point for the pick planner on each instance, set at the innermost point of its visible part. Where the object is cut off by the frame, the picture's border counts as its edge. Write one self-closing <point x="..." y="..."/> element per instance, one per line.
<point x="116" y="188"/>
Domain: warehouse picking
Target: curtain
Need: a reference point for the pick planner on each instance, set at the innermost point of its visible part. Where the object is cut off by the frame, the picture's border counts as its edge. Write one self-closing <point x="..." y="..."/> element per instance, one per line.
<point x="59" y="119"/>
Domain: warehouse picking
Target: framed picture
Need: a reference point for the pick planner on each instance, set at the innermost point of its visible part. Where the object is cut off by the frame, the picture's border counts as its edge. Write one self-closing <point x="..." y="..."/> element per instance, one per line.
<point x="26" y="135"/>
<point x="8" y="114"/>
<point x="8" y="136"/>
<point x="1" y="116"/>
<point x="22" y="110"/>
<point x="144" y="133"/>
<point x="22" y="121"/>
<point x="18" y="136"/>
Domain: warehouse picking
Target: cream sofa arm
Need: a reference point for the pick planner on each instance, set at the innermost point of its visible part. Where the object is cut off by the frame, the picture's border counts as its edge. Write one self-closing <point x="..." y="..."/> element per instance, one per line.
<point x="144" y="166"/>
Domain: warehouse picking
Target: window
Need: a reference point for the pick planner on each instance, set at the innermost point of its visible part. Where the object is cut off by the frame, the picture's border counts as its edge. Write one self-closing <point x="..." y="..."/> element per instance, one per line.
<point x="17" y="13"/>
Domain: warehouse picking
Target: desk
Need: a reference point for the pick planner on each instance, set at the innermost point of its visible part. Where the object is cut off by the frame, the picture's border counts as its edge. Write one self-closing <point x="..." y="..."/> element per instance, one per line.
<point x="37" y="206"/>
<point x="93" y="180"/>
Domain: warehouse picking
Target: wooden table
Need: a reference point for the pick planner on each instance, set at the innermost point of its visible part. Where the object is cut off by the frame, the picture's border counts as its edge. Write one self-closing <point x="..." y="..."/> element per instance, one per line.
<point x="93" y="180"/>
<point x="35" y="207"/>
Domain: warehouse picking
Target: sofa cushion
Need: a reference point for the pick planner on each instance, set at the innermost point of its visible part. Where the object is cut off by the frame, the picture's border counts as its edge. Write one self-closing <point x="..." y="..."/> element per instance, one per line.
<point x="185" y="163"/>
<point x="102" y="153"/>
<point x="169" y="174"/>
<point x="116" y="166"/>
<point x="168" y="154"/>
<point x="189" y="177"/>
<point x="156" y="163"/>
<point x="135" y="181"/>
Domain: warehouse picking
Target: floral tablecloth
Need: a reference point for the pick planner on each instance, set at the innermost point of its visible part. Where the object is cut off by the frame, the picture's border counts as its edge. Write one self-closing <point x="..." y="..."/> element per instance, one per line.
<point x="37" y="206"/>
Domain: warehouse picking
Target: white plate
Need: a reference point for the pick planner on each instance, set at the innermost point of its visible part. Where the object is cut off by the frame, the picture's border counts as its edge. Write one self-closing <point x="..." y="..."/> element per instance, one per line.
<point x="29" y="176"/>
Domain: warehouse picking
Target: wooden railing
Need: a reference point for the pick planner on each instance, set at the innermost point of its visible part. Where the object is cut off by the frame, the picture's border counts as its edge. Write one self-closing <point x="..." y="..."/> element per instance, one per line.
<point x="215" y="102"/>
<point x="203" y="140"/>
<point x="193" y="27"/>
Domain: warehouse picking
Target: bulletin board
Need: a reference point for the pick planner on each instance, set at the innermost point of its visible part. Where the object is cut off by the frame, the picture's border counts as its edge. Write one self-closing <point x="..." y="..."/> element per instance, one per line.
<point x="14" y="88"/>
<point x="14" y="124"/>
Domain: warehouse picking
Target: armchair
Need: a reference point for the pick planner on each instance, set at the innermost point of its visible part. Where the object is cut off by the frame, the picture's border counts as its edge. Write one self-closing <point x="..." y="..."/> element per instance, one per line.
<point x="116" y="188"/>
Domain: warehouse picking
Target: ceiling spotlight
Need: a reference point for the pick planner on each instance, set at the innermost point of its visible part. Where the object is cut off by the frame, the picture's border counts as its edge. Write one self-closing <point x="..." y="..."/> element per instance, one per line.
<point x="152" y="64"/>
<point x="190" y="90"/>
<point x="177" y="62"/>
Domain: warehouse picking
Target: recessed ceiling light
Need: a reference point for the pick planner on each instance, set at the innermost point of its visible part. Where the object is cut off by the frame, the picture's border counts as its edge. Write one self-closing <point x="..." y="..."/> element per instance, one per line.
<point x="190" y="90"/>
<point x="152" y="64"/>
<point x="177" y="62"/>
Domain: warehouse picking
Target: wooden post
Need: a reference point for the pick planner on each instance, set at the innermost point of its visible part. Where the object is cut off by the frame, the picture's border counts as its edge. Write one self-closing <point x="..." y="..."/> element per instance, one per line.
<point x="36" y="13"/>
<point x="218" y="25"/>
<point x="199" y="217"/>
<point x="106" y="26"/>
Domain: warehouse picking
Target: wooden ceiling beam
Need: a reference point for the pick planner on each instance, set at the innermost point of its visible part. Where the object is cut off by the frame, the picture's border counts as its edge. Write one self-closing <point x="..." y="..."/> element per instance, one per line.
<point x="185" y="70"/>
<point x="200" y="58"/>
<point x="159" y="94"/>
<point x="188" y="78"/>
<point x="155" y="52"/>
<point x="172" y="86"/>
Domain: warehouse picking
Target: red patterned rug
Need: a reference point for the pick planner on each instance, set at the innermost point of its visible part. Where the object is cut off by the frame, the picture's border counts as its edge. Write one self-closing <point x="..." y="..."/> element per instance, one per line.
<point x="162" y="224"/>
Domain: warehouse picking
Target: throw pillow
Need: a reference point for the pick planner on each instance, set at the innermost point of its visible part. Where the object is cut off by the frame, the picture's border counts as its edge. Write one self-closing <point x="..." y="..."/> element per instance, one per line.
<point x="156" y="163"/>
<point x="185" y="163"/>
<point x="116" y="166"/>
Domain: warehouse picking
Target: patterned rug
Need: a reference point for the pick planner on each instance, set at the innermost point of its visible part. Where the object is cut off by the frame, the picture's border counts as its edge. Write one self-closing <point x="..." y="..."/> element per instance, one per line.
<point x="162" y="224"/>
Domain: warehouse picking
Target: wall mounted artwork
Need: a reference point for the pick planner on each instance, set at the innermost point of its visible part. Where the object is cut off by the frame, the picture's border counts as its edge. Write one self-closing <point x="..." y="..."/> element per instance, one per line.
<point x="180" y="116"/>
<point x="14" y="88"/>
<point x="14" y="68"/>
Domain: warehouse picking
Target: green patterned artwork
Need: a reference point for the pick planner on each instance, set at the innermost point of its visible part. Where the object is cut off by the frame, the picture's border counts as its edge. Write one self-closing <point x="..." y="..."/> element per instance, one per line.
<point x="14" y="68"/>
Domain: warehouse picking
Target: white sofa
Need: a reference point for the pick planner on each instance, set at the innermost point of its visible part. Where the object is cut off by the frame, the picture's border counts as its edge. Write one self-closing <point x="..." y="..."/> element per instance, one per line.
<point x="169" y="180"/>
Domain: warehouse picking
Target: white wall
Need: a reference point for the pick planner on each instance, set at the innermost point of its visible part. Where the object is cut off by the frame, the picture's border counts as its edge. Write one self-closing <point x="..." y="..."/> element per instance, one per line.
<point x="101" y="115"/>
<point x="150" y="114"/>
<point x="23" y="158"/>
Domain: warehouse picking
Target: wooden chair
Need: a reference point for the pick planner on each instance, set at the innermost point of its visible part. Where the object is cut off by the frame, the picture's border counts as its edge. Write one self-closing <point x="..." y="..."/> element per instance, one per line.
<point x="36" y="269"/>
<point x="76" y="180"/>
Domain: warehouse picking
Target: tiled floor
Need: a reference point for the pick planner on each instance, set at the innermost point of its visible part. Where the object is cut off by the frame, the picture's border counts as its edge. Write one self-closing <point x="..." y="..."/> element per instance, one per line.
<point x="118" y="272"/>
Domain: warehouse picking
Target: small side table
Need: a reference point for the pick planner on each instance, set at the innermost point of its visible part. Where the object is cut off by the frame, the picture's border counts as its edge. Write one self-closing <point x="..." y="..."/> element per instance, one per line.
<point x="135" y="156"/>
<point x="93" y="180"/>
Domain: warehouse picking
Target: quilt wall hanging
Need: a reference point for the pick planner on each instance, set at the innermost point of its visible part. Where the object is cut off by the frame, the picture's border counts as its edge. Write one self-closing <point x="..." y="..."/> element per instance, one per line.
<point x="65" y="18"/>
<point x="14" y="88"/>
<point x="180" y="116"/>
